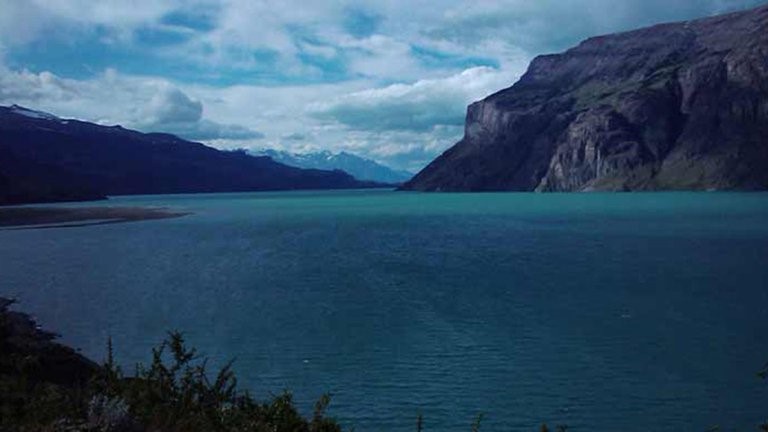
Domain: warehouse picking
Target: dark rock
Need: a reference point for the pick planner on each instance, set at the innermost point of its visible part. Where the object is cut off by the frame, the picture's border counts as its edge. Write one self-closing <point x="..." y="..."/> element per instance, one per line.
<point x="673" y="106"/>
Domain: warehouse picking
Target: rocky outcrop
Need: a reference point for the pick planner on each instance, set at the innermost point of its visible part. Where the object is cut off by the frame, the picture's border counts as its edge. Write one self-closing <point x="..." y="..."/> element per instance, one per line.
<point x="681" y="106"/>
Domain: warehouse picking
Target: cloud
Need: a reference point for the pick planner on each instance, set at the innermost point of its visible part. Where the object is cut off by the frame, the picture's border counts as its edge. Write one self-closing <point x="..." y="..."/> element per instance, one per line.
<point x="21" y="22"/>
<point x="386" y="80"/>
<point x="147" y="104"/>
<point x="171" y="111"/>
<point x="215" y="34"/>
<point x="415" y="107"/>
<point x="171" y="105"/>
<point x="360" y="22"/>
<point x="206" y="130"/>
<point x="294" y="137"/>
<point x="24" y="21"/>
<point x="382" y="57"/>
<point x="545" y="26"/>
<point x="323" y="51"/>
<point x="201" y="18"/>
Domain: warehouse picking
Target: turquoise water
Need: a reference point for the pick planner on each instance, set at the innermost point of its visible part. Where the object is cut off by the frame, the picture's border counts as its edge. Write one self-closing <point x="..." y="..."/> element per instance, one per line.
<point x="600" y="311"/>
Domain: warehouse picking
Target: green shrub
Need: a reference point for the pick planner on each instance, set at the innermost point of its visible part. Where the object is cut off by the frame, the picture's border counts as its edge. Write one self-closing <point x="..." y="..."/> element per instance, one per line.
<point x="174" y="393"/>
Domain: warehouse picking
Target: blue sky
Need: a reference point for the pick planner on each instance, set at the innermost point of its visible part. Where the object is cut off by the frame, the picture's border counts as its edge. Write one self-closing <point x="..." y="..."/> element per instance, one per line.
<point x="386" y="80"/>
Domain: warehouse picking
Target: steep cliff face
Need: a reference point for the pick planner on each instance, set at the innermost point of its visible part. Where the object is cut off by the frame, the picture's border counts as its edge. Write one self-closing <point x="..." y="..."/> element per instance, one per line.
<point x="674" y="106"/>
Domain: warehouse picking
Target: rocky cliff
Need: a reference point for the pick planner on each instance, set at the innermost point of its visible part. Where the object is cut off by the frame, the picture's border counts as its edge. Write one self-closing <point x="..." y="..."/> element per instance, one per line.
<point x="681" y="106"/>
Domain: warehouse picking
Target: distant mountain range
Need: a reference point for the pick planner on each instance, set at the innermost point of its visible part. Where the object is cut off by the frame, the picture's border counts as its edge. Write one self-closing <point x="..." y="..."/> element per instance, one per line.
<point x="680" y="106"/>
<point x="360" y="168"/>
<point x="44" y="158"/>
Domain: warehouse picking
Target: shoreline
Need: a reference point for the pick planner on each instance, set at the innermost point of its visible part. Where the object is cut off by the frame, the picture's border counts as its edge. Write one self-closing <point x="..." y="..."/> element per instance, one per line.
<point x="14" y="218"/>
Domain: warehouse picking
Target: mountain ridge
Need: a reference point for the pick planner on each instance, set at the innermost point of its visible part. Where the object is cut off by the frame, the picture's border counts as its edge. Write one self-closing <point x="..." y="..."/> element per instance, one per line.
<point x="675" y="106"/>
<point x="359" y="167"/>
<point x="44" y="158"/>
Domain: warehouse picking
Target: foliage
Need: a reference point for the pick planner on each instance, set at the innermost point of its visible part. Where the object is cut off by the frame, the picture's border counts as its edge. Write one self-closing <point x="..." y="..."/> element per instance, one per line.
<point x="27" y="401"/>
<point x="174" y="392"/>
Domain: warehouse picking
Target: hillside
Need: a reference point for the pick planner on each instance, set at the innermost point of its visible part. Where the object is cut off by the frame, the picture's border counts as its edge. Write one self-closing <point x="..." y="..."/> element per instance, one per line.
<point x="681" y="106"/>
<point x="44" y="158"/>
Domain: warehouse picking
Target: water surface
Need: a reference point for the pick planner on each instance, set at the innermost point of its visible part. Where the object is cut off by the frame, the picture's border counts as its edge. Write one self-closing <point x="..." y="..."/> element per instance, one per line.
<point x="600" y="311"/>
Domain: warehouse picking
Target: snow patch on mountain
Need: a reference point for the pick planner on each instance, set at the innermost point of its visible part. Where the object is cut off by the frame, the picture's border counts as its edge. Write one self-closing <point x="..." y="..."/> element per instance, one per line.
<point x="26" y="112"/>
<point x="359" y="167"/>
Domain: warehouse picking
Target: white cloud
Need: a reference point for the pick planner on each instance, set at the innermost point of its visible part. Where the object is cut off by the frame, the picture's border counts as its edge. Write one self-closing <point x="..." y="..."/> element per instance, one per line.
<point x="419" y="106"/>
<point x="275" y="110"/>
<point x="553" y="25"/>
<point x="117" y="13"/>
<point x="324" y="51"/>
<point x="369" y="92"/>
<point x="144" y="103"/>
<point x="208" y="131"/>
<point x="23" y="21"/>
<point x="171" y="105"/>
<point x="383" y="57"/>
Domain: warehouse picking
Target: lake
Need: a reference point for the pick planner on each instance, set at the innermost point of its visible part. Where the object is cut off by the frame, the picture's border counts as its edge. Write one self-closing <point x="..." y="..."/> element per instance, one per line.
<point x="642" y="311"/>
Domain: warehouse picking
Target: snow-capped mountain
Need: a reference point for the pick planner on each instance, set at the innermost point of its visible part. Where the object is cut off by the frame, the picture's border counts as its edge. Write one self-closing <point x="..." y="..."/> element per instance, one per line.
<point x="358" y="167"/>
<point x="26" y="112"/>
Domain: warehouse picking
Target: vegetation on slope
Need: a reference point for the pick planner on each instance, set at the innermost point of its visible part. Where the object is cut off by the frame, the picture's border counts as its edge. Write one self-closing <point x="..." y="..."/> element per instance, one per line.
<point x="48" y="387"/>
<point x="45" y="386"/>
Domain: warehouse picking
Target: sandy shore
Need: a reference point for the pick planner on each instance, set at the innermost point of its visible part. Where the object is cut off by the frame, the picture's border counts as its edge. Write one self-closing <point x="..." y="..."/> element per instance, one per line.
<point x="53" y="217"/>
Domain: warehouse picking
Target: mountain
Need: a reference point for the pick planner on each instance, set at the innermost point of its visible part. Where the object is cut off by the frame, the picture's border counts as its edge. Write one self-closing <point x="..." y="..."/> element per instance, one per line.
<point x="360" y="168"/>
<point x="674" y="106"/>
<point x="44" y="158"/>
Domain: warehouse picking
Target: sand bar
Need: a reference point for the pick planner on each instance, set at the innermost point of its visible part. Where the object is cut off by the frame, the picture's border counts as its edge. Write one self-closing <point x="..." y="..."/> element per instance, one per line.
<point x="57" y="217"/>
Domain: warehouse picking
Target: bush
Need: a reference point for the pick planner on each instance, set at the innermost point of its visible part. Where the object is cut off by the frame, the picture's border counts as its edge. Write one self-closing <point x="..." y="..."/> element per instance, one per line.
<point x="174" y="393"/>
<point x="46" y="387"/>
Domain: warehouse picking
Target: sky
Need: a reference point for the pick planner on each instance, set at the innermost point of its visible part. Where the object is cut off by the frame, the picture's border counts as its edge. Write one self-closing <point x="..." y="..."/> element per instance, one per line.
<point x="387" y="80"/>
